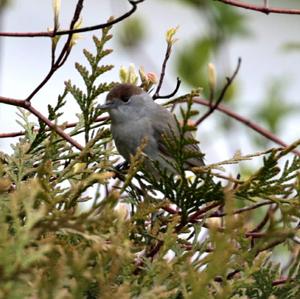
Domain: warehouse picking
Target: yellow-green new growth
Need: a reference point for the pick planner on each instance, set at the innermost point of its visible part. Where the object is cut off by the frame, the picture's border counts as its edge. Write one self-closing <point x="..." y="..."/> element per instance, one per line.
<point x="170" y="35"/>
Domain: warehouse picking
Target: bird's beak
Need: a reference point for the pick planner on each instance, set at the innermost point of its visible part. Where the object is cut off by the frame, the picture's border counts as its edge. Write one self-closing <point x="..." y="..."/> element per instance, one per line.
<point x="106" y="106"/>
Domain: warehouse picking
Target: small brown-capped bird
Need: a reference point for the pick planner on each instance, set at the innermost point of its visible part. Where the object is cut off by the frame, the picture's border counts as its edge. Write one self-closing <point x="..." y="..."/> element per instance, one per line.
<point x="136" y="117"/>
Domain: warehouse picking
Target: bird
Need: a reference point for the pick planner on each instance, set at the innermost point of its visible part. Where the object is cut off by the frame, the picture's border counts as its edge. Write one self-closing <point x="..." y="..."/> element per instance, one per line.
<point x="136" y="117"/>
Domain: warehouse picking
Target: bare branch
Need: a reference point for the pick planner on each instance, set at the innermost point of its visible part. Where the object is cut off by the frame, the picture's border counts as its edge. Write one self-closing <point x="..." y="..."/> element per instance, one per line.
<point x="178" y="82"/>
<point x="281" y="280"/>
<point x="200" y="212"/>
<point x="163" y="71"/>
<point x="78" y="30"/>
<point x="27" y="105"/>
<point x="261" y="8"/>
<point x="242" y="210"/>
<point x="246" y="122"/>
<point x="55" y="128"/>
<point x="265" y="220"/>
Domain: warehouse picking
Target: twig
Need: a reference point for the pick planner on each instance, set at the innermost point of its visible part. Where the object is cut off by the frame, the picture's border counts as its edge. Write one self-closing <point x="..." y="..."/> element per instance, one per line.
<point x="178" y="82"/>
<point x="255" y="234"/>
<point x="213" y="107"/>
<point x="281" y="280"/>
<point x="267" y="134"/>
<point x="163" y="71"/>
<point x="228" y="277"/>
<point x="193" y="218"/>
<point x="155" y="249"/>
<point x="265" y="220"/>
<point x="271" y="244"/>
<point x="169" y="209"/>
<point x="242" y="210"/>
<point x="261" y="8"/>
<point x="276" y="282"/>
<point x="55" y="128"/>
<point x="54" y="66"/>
<point x="246" y="122"/>
<point x="27" y="105"/>
<point x="200" y="212"/>
<point x="78" y="30"/>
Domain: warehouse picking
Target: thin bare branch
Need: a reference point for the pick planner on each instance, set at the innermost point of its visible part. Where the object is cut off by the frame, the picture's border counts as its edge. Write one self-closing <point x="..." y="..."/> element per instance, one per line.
<point x="170" y="95"/>
<point x="204" y="210"/>
<point x="77" y="30"/>
<point x="281" y="280"/>
<point x="242" y="210"/>
<point x="163" y="71"/>
<point x="265" y="220"/>
<point x="27" y="105"/>
<point x="55" y="128"/>
<point x="261" y="8"/>
<point x="262" y="131"/>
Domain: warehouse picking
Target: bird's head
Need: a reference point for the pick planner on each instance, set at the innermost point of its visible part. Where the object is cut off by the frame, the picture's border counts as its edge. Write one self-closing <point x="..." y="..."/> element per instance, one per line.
<point x="126" y="101"/>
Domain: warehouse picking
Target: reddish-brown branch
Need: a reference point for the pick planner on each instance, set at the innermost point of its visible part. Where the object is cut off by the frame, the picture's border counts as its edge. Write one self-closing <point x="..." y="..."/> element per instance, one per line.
<point x="265" y="220"/>
<point x="200" y="212"/>
<point x="261" y="8"/>
<point x="169" y="209"/>
<point x="12" y="134"/>
<point x="55" y="128"/>
<point x="194" y="217"/>
<point x="255" y="234"/>
<point x="246" y="122"/>
<point x="27" y="105"/>
<point x="242" y="210"/>
<point x="13" y="102"/>
<point x="281" y="280"/>
<point x="78" y="30"/>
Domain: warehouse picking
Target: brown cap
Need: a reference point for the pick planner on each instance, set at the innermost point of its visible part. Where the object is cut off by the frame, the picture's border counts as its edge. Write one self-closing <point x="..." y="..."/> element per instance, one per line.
<point x="123" y="91"/>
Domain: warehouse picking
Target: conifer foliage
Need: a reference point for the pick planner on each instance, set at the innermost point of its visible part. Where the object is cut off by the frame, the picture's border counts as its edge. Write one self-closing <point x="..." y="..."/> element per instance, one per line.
<point x="73" y="224"/>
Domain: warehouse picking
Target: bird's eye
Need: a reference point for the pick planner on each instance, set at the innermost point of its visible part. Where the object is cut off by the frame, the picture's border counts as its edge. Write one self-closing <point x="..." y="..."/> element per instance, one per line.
<point x="125" y="98"/>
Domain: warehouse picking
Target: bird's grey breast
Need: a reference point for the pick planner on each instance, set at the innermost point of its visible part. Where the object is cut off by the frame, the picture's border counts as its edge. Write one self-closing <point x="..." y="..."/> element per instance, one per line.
<point x="128" y="136"/>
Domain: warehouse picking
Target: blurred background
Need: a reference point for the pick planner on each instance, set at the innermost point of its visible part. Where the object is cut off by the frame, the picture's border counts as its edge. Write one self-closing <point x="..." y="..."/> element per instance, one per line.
<point x="266" y="90"/>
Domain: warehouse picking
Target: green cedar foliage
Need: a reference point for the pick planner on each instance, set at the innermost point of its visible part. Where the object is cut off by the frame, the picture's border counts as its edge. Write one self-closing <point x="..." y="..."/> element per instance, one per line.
<point x="53" y="246"/>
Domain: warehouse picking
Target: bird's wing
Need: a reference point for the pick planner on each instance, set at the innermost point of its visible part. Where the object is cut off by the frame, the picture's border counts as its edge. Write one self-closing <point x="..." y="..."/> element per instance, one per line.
<point x="165" y="126"/>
